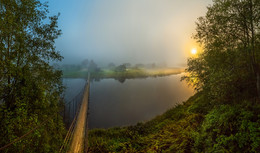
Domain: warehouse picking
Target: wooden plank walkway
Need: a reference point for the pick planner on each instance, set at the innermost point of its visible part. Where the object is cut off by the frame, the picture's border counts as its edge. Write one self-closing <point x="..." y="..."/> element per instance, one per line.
<point x="79" y="142"/>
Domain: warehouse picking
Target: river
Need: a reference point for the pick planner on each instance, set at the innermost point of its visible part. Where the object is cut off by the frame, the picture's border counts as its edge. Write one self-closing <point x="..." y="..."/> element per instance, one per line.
<point x="114" y="103"/>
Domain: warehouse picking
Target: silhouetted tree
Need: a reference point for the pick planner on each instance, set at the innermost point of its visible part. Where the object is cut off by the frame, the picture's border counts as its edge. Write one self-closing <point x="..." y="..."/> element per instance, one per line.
<point x="139" y="65"/>
<point x="127" y="65"/>
<point x="85" y="63"/>
<point x="121" y="79"/>
<point x="111" y="65"/>
<point x="93" y="67"/>
<point x="120" y="68"/>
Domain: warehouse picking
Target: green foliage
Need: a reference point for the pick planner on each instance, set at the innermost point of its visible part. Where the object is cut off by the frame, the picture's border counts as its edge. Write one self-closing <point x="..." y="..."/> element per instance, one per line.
<point x="229" y="63"/>
<point x="120" y="73"/>
<point x="30" y="88"/>
<point x="170" y="132"/>
<point x="230" y="129"/>
<point x="107" y="73"/>
<point x="185" y="128"/>
<point x="128" y="73"/>
<point x="227" y="71"/>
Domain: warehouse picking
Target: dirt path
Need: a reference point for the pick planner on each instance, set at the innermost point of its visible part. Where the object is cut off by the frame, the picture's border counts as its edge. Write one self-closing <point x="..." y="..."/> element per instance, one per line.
<point x="78" y="139"/>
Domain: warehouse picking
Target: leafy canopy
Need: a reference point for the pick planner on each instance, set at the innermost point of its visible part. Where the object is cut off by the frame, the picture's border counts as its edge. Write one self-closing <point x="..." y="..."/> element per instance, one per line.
<point x="229" y="63"/>
<point x="30" y="87"/>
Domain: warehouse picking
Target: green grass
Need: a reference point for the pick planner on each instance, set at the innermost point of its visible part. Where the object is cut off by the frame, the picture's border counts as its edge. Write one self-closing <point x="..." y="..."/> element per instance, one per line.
<point x="194" y="126"/>
<point x="169" y="132"/>
<point x="129" y="73"/>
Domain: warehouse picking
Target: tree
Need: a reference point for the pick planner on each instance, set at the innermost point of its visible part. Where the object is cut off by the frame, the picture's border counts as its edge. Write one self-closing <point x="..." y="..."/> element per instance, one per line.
<point x="229" y="34"/>
<point x="111" y="65"/>
<point x="127" y="65"/>
<point x="120" y="68"/>
<point x="84" y="63"/>
<point x="30" y="87"/>
<point x="139" y="65"/>
<point x="93" y="67"/>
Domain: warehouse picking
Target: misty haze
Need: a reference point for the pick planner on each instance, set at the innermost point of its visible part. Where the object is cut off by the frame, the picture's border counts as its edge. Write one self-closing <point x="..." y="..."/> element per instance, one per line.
<point x="129" y="31"/>
<point x="133" y="76"/>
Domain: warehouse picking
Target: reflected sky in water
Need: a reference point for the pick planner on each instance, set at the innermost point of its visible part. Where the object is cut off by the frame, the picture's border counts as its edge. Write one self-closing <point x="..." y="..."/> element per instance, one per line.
<point x="73" y="86"/>
<point x="119" y="104"/>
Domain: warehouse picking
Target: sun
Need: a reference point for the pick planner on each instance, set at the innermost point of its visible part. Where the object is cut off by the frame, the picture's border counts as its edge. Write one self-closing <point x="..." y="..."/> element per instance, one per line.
<point x="194" y="51"/>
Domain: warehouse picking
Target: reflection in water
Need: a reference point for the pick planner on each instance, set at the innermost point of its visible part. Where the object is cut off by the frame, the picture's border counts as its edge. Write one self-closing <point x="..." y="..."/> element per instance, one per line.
<point x="118" y="104"/>
<point x="73" y="87"/>
<point x="72" y="95"/>
<point x="121" y="80"/>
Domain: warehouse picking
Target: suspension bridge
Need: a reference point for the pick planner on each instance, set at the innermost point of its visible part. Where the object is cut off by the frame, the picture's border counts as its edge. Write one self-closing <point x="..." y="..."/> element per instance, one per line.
<point x="75" y="116"/>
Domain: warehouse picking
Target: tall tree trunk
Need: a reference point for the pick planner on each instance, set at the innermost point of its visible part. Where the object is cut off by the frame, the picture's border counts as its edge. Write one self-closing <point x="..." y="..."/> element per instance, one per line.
<point x="8" y="60"/>
<point x="253" y="50"/>
<point x="258" y="84"/>
<point x="258" y="81"/>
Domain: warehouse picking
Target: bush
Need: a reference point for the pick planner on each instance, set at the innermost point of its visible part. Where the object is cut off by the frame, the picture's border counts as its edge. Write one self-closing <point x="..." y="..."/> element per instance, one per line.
<point x="229" y="129"/>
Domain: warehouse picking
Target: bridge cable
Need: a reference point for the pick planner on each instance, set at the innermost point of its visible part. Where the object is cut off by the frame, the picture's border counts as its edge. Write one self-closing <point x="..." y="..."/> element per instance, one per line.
<point x="29" y="132"/>
<point x="17" y="139"/>
<point x="72" y="126"/>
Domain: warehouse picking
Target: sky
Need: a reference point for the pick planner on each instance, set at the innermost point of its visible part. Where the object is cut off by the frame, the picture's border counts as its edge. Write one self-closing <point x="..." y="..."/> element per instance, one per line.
<point x="121" y="31"/>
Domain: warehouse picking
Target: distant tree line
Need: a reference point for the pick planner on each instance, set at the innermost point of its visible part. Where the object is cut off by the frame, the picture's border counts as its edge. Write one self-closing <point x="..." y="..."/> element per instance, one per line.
<point x="139" y="65"/>
<point x="94" y="67"/>
<point x="85" y="65"/>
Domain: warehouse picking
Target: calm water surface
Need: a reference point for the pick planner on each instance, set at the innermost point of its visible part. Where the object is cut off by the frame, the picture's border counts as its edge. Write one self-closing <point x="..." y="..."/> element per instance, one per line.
<point x="73" y="87"/>
<point x="113" y="103"/>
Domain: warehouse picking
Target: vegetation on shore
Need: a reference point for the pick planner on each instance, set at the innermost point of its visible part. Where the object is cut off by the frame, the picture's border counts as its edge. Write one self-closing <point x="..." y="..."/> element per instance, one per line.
<point x="127" y="73"/>
<point x="195" y="126"/>
<point x="224" y="115"/>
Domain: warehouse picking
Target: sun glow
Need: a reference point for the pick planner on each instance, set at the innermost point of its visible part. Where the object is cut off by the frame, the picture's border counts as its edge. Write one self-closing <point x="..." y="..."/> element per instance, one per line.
<point x="194" y="51"/>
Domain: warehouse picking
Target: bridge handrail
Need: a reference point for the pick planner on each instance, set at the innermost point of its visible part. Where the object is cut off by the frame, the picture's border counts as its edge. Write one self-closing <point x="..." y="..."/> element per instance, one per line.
<point x="23" y="136"/>
<point x="72" y="126"/>
<point x="29" y="132"/>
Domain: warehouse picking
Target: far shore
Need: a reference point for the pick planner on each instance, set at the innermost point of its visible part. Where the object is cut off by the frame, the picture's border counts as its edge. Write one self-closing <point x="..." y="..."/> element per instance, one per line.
<point x="127" y="73"/>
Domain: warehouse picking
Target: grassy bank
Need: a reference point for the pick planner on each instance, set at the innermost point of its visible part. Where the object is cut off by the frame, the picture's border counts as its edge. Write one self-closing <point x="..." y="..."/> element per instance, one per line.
<point x="128" y="73"/>
<point x="194" y="126"/>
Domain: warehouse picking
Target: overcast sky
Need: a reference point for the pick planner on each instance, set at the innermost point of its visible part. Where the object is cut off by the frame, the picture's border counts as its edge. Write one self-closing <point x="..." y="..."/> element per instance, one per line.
<point x="135" y="31"/>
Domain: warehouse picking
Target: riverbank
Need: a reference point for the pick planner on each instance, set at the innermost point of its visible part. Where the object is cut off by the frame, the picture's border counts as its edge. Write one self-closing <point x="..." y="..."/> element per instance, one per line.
<point x="194" y="126"/>
<point x="169" y="132"/>
<point x="127" y="73"/>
